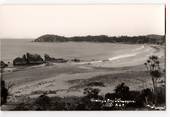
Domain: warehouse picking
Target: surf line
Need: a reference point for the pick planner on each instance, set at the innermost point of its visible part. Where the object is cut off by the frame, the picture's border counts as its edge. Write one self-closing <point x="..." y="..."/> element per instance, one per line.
<point x="137" y="50"/>
<point x="117" y="57"/>
<point x="122" y="56"/>
<point x="110" y="59"/>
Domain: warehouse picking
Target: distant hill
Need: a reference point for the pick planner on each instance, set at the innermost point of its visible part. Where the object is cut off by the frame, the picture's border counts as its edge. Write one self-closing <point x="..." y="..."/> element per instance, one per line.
<point x="151" y="39"/>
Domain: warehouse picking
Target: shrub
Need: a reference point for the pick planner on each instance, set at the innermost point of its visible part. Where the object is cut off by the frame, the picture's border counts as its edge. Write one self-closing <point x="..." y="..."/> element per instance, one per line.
<point x="122" y="91"/>
<point x="43" y="102"/>
<point x="91" y="92"/>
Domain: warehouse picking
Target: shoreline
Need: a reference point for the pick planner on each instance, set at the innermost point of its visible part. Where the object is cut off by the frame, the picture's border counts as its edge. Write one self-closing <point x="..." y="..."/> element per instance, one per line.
<point x="114" y="58"/>
<point x="62" y="72"/>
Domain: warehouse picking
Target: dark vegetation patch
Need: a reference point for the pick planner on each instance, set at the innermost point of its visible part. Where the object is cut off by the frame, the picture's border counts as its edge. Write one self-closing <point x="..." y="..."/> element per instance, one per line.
<point x="110" y="101"/>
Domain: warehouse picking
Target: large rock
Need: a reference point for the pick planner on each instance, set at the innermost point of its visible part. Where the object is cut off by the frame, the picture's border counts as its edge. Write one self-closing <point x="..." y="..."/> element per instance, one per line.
<point x="28" y="59"/>
<point x="34" y="58"/>
<point x="19" y="61"/>
<point x="3" y="64"/>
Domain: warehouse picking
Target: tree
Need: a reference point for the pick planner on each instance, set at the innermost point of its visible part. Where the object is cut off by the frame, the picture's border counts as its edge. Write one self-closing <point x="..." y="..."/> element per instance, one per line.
<point x="153" y="67"/>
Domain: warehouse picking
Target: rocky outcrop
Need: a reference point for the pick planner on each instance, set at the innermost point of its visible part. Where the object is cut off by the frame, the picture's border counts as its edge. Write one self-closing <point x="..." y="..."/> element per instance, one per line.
<point x="28" y="59"/>
<point x="34" y="59"/>
<point x="56" y="60"/>
<point x="19" y="61"/>
<point x="3" y="64"/>
<point x="75" y="60"/>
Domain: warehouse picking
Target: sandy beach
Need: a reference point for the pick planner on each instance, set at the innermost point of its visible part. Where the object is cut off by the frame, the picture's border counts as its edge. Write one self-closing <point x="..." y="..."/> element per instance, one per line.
<point x="69" y="79"/>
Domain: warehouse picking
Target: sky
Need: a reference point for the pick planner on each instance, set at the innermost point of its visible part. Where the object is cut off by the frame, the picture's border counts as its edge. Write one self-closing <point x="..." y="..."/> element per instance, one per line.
<point x="32" y="21"/>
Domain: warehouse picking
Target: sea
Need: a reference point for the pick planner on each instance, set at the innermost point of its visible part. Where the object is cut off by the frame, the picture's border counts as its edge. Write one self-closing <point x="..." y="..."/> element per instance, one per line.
<point x="12" y="48"/>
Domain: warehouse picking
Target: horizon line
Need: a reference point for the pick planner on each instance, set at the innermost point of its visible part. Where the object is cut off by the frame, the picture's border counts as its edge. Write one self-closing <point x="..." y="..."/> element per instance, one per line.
<point x="81" y="36"/>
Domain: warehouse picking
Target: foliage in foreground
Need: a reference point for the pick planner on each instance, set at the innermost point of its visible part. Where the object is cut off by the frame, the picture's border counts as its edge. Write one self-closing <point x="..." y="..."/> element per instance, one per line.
<point x="93" y="101"/>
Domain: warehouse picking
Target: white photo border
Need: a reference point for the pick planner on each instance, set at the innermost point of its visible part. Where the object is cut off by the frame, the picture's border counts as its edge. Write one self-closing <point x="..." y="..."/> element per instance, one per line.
<point x="101" y="113"/>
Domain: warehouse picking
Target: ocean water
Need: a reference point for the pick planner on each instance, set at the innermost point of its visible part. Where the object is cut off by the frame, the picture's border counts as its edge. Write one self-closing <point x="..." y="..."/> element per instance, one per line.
<point x="12" y="48"/>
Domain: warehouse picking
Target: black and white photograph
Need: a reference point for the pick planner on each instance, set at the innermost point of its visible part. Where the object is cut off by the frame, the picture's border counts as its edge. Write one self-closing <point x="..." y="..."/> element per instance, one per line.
<point x="83" y="57"/>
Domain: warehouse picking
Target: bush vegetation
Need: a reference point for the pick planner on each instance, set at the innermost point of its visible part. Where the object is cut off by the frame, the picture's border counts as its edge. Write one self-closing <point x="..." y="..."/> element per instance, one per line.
<point x="92" y="100"/>
<point x="152" y="39"/>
